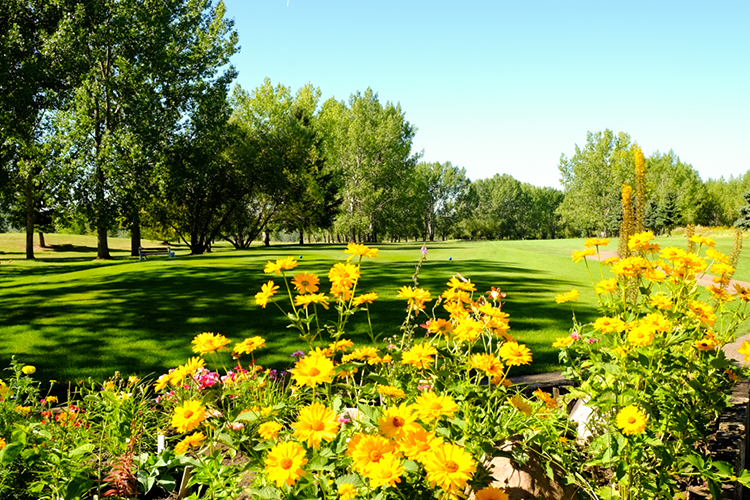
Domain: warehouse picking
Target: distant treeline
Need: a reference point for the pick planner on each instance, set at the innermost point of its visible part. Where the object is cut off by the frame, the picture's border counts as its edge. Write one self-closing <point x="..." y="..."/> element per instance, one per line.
<point x="121" y="115"/>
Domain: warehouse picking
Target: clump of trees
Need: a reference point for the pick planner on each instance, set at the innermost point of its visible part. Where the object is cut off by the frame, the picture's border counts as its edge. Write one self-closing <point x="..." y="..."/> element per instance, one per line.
<point x="121" y="115"/>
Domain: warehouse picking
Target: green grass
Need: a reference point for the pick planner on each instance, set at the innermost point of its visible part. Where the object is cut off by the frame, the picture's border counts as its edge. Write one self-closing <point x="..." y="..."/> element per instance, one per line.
<point x="74" y="317"/>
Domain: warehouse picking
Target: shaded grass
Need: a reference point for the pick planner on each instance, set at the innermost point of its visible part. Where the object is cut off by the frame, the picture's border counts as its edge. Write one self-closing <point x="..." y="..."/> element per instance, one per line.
<point x="74" y="317"/>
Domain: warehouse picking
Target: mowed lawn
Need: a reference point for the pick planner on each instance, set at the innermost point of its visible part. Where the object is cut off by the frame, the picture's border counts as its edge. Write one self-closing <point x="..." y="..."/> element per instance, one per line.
<point x="74" y="317"/>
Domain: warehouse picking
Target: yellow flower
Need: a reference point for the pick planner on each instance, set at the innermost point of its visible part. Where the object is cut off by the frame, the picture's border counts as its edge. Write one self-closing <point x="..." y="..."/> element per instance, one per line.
<point x="390" y="391"/>
<point x="593" y="242"/>
<point x="702" y="240"/>
<point x="719" y="258"/>
<point x="285" y="264"/>
<point x="284" y="463"/>
<point x="656" y="322"/>
<point x="521" y="405"/>
<point x="341" y="292"/>
<point x="566" y="297"/>
<point x="631" y="420"/>
<point x="718" y="293"/>
<point x="313" y="369"/>
<point x="347" y="491"/>
<point x="51" y="399"/>
<point x="340" y="345"/>
<point x="630" y="266"/>
<point x="315" y="424"/>
<point x="606" y="286"/>
<point x="440" y="326"/>
<point x="419" y="356"/>
<point x="269" y="430"/>
<point x="515" y="354"/>
<point x="467" y="329"/>
<point x="361" y="250"/>
<point x="306" y="283"/>
<point x="418" y="444"/>
<point x="609" y="325"/>
<point x="369" y="450"/>
<point x="640" y="241"/>
<point x="461" y="284"/>
<point x="387" y="471"/>
<point x="705" y="344"/>
<point x="397" y="421"/>
<point x="745" y="350"/>
<point x="661" y="301"/>
<point x="23" y="410"/>
<point x="366" y="298"/>
<point x="193" y="440"/>
<point x="248" y="345"/>
<point x="654" y="275"/>
<point x="580" y="254"/>
<point x="361" y="354"/>
<point x="702" y="312"/>
<point x="450" y="467"/>
<point x="641" y="335"/>
<point x="491" y="493"/>
<point x="343" y="275"/>
<point x="546" y="397"/>
<point x="267" y="291"/>
<point x="188" y="416"/>
<point x="563" y="342"/>
<point x="28" y="370"/>
<point x="486" y="363"/>
<point x="415" y="297"/>
<point x="430" y="406"/>
<point x="312" y="298"/>
<point x="207" y="342"/>
<point x="673" y="254"/>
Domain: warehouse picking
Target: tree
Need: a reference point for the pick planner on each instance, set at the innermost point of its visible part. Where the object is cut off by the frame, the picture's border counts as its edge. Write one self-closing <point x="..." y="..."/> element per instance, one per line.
<point x="443" y="186"/>
<point x="592" y="179"/>
<point x="37" y="69"/>
<point x="743" y="220"/>
<point x="201" y="183"/>
<point x="368" y="145"/>
<point x="667" y="215"/>
<point x="147" y="63"/>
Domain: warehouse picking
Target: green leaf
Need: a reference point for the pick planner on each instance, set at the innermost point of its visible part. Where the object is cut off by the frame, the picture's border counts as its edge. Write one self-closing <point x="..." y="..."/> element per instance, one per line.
<point x="352" y="479"/>
<point x="86" y="448"/>
<point x="10" y="452"/>
<point x="267" y="492"/>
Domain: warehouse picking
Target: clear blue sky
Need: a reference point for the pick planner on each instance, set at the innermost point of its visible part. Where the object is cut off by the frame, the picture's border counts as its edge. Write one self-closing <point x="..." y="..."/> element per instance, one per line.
<point x="507" y="87"/>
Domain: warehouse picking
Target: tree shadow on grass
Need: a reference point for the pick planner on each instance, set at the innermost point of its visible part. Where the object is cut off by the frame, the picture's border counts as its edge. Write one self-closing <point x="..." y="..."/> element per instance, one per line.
<point x="143" y="321"/>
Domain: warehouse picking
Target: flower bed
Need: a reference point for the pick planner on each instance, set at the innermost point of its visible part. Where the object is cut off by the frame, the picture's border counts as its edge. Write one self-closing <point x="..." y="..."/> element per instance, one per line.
<point x="425" y="417"/>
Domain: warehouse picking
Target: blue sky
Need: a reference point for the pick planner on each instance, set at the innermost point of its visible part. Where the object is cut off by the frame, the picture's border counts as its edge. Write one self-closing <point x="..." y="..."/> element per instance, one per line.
<point x="507" y="87"/>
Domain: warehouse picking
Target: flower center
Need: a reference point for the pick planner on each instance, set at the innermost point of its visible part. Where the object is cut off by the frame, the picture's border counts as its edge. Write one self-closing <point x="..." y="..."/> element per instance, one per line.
<point x="286" y="463"/>
<point x="375" y="456"/>
<point x="631" y="420"/>
<point x="187" y="413"/>
<point x="398" y="422"/>
<point x="314" y="372"/>
<point x="318" y="425"/>
<point x="451" y="466"/>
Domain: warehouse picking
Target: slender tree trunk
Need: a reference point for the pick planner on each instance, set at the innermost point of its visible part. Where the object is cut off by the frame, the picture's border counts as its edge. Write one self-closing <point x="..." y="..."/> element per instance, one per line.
<point x="135" y="234"/>
<point x="301" y="237"/>
<point x="266" y="239"/>
<point x="30" y="216"/>
<point x="42" y="244"/>
<point x="102" y="247"/>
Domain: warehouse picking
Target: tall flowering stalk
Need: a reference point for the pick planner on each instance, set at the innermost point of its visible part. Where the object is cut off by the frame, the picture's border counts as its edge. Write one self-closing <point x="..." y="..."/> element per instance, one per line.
<point x="640" y="190"/>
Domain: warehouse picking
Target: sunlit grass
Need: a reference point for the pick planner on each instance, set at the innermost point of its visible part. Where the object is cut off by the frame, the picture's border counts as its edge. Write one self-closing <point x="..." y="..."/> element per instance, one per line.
<point x="74" y="317"/>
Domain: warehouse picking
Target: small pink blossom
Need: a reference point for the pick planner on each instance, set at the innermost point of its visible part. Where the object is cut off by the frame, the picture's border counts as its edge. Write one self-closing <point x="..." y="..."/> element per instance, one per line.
<point x="235" y="426"/>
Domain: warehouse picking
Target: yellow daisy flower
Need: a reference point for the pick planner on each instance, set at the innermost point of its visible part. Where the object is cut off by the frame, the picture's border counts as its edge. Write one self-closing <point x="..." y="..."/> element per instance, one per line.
<point x="284" y="463"/>
<point x="316" y="423"/>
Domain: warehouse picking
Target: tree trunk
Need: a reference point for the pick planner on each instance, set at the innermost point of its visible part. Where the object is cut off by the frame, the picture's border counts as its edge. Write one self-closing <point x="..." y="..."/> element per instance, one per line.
<point x="266" y="239"/>
<point x="30" y="218"/>
<point x="135" y="234"/>
<point x="42" y="244"/>
<point x="301" y="237"/>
